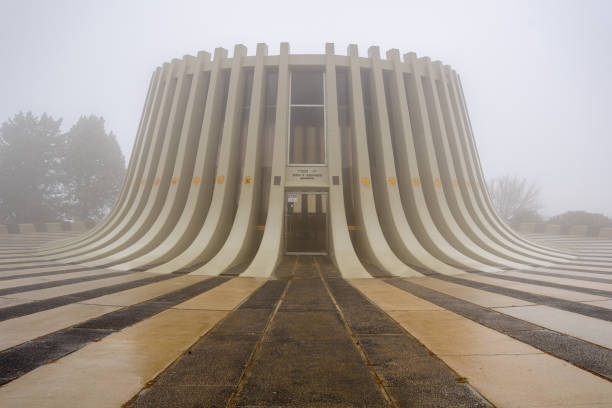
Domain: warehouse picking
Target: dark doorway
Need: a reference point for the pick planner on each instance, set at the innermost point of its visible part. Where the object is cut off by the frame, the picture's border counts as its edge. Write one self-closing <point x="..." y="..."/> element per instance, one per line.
<point x="306" y="222"/>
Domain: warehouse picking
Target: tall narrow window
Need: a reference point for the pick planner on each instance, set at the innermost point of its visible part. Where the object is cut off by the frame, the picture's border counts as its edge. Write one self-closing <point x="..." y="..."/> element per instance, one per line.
<point x="307" y="121"/>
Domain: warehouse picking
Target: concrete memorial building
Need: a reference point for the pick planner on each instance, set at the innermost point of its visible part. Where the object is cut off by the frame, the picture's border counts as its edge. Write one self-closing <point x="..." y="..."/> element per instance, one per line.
<point x="239" y="161"/>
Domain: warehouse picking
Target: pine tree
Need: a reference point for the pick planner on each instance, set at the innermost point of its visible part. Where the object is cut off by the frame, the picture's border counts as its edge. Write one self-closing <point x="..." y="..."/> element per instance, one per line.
<point x="30" y="167"/>
<point x="94" y="168"/>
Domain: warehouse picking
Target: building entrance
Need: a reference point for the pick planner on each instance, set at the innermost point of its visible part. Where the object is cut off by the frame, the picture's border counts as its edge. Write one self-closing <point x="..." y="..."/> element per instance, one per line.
<point x="306" y="222"/>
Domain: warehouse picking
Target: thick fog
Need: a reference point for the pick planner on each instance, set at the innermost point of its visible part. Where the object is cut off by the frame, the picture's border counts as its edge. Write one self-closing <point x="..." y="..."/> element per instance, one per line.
<point x="537" y="74"/>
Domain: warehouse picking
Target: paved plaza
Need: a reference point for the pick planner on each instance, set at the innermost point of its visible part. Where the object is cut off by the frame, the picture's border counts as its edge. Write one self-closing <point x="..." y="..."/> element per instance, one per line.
<point x="78" y="336"/>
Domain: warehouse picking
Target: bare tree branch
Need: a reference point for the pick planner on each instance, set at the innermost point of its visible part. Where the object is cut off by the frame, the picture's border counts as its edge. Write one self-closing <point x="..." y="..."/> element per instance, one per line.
<point x="512" y="195"/>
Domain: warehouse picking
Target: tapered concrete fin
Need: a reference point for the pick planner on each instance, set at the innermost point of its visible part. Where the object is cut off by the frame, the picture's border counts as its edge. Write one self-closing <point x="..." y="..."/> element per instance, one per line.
<point x="387" y="196"/>
<point x="73" y="243"/>
<point x="470" y="179"/>
<point x="202" y="178"/>
<point x="430" y="172"/>
<point x="455" y="185"/>
<point x="239" y="245"/>
<point x="372" y="240"/>
<point x="181" y="175"/>
<point x="342" y="252"/>
<point x="270" y="249"/>
<point x="148" y="163"/>
<point x="172" y="138"/>
<point x="477" y="182"/>
<point x="332" y="145"/>
<point x="81" y="239"/>
<point x="490" y="252"/>
<point x="220" y="214"/>
<point x="159" y="158"/>
<point x="410" y="187"/>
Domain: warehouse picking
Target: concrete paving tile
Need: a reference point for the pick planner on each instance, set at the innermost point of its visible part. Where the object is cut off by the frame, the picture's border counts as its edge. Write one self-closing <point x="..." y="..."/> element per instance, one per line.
<point x="8" y="264"/>
<point x="216" y="360"/>
<point x="547" y="283"/>
<point x="581" y="353"/>
<point x="585" y="355"/>
<point x="93" y="276"/>
<point x="56" y="346"/>
<point x="77" y="287"/>
<point x="266" y="296"/>
<point x="126" y="317"/>
<point x="436" y="394"/>
<point x="245" y="321"/>
<point x="307" y="294"/>
<point x="180" y="396"/>
<point x="571" y="306"/>
<point x="5" y="284"/>
<point x="537" y="289"/>
<point x="388" y="297"/>
<point x="411" y="374"/>
<point x="123" y="362"/>
<point x="532" y="381"/>
<point x="7" y="301"/>
<point x="306" y="326"/>
<point x="58" y="268"/>
<point x="401" y="358"/>
<point x="583" y="327"/>
<point x="226" y="296"/>
<point x="601" y="303"/>
<point x="607" y="276"/>
<point x="464" y="307"/>
<point x="446" y="333"/>
<point x="31" y="355"/>
<point x="17" y="331"/>
<point x="599" y="267"/>
<point x="45" y="322"/>
<point x="321" y="374"/>
<point x="146" y="292"/>
<point x="565" y="281"/>
<point x="413" y="377"/>
<point x="24" y="307"/>
<point x="477" y="296"/>
<point x="361" y="315"/>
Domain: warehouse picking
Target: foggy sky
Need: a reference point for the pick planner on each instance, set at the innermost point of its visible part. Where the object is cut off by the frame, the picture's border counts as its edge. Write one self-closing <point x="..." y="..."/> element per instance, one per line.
<point x="537" y="74"/>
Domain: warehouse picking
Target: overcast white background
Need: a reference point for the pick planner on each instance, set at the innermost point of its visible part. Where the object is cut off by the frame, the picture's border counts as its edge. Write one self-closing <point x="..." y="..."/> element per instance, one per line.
<point x="537" y="74"/>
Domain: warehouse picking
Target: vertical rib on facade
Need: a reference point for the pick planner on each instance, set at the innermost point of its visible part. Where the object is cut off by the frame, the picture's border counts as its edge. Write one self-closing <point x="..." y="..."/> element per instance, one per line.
<point x="236" y="158"/>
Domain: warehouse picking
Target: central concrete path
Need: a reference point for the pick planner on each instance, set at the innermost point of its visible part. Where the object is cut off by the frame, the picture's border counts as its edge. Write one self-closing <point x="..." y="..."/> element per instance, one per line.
<point x="308" y="338"/>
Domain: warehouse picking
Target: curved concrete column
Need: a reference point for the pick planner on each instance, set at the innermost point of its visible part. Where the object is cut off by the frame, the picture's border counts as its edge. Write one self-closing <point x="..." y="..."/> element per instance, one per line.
<point x="149" y="160"/>
<point x="186" y="120"/>
<point x="201" y="184"/>
<point x="270" y="249"/>
<point x="430" y="170"/>
<point x="155" y="157"/>
<point x="342" y="252"/>
<point x="439" y="255"/>
<point x="220" y="214"/>
<point x="155" y="85"/>
<point x="405" y="171"/>
<point x="239" y="245"/>
<point x="370" y="236"/>
<point x="399" y="234"/>
<point x="172" y="138"/>
<point x="461" y="191"/>
<point x="478" y="183"/>
<point x="441" y="131"/>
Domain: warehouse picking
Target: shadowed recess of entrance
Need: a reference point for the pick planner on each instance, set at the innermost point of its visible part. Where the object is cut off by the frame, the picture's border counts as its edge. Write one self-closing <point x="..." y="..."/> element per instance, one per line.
<point x="306" y="222"/>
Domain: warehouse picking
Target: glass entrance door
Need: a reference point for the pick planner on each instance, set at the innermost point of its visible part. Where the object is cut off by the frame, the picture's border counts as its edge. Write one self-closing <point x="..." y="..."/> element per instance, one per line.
<point x="306" y="222"/>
